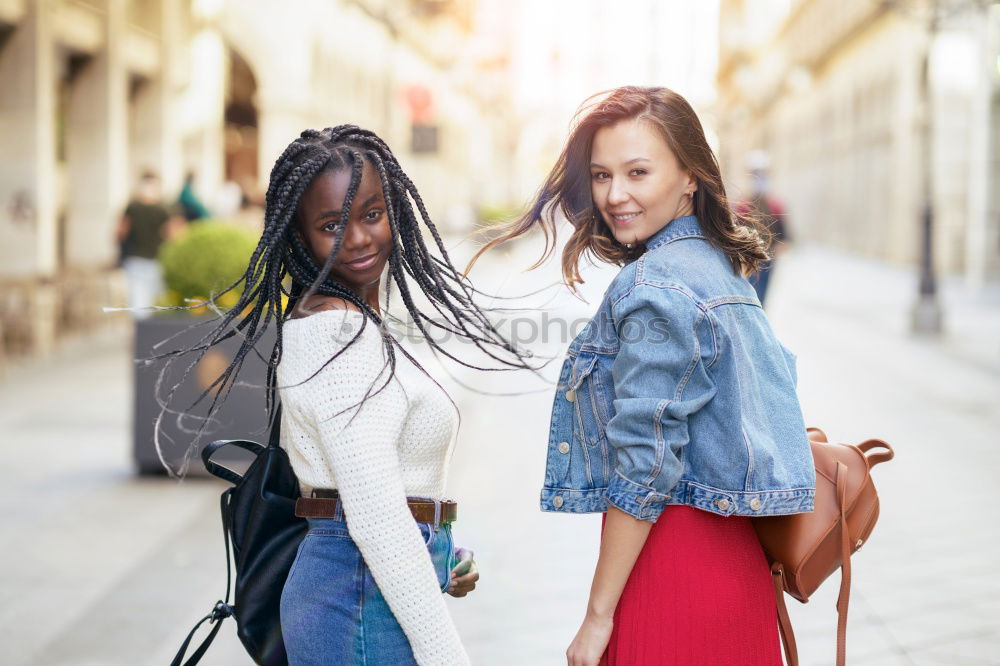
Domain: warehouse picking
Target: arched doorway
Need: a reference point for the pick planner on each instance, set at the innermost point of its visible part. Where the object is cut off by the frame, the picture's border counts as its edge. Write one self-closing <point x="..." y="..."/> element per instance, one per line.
<point x="241" y="133"/>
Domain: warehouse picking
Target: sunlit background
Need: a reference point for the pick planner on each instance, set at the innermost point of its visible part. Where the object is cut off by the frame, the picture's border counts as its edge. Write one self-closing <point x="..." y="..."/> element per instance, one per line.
<point x="875" y="124"/>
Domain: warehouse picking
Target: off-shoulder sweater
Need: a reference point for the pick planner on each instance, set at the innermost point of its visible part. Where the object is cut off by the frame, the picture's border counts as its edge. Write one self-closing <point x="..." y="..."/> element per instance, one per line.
<point x="397" y="444"/>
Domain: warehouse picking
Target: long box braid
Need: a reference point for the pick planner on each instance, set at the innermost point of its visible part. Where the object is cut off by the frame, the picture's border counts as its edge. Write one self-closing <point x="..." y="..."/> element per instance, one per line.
<point x="281" y="266"/>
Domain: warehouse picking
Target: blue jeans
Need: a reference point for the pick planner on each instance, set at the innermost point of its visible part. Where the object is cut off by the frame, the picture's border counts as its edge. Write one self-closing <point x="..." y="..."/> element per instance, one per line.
<point x="332" y="612"/>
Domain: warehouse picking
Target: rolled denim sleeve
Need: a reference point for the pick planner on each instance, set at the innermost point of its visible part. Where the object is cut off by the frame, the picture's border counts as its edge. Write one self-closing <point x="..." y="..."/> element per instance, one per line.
<point x="667" y="343"/>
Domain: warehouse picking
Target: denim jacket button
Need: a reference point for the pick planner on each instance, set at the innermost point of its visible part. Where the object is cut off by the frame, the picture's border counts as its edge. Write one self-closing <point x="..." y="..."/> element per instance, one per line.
<point x="756" y="504"/>
<point x="722" y="504"/>
<point x="571" y="395"/>
<point x="557" y="501"/>
<point x="563" y="447"/>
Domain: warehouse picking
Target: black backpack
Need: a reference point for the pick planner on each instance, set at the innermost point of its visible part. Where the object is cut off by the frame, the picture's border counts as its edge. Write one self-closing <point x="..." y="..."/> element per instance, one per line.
<point x="258" y="518"/>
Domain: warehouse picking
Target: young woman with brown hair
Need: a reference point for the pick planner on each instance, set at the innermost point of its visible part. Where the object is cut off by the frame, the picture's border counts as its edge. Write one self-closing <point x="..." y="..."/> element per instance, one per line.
<point x="676" y="411"/>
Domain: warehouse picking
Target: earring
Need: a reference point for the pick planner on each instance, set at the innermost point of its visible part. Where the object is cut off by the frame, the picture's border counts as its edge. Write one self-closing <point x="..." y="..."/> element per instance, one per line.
<point x="629" y="245"/>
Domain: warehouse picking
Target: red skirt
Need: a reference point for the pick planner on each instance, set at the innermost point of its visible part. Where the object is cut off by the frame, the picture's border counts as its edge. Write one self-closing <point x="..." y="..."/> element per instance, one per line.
<point x="700" y="593"/>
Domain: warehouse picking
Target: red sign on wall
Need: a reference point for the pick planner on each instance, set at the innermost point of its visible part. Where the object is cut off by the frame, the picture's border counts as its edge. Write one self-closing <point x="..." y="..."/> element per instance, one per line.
<point x="420" y="103"/>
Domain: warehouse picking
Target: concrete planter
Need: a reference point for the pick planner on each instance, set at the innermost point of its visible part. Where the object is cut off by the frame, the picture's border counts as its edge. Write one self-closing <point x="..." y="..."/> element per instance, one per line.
<point x="242" y="415"/>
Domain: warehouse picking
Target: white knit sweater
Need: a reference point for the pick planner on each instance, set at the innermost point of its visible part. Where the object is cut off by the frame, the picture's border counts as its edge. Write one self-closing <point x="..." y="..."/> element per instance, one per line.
<point x="398" y="445"/>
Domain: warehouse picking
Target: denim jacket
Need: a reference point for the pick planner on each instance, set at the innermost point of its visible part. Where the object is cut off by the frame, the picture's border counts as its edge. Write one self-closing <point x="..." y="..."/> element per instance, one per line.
<point x="678" y="392"/>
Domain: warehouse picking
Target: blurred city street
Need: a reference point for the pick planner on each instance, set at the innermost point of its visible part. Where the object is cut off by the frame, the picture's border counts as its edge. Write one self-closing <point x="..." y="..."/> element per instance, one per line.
<point x="103" y="568"/>
<point x="139" y="138"/>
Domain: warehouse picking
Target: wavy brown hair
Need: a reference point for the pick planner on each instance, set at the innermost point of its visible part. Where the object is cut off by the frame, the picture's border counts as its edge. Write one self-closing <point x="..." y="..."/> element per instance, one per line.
<point x="567" y="187"/>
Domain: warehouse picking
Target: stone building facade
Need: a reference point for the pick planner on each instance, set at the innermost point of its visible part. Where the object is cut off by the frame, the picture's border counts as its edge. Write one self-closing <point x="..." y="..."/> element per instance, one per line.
<point x="97" y="91"/>
<point x="832" y="91"/>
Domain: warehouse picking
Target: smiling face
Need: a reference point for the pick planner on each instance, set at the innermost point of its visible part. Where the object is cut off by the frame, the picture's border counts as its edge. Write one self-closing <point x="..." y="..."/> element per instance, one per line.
<point x="367" y="239"/>
<point x="636" y="181"/>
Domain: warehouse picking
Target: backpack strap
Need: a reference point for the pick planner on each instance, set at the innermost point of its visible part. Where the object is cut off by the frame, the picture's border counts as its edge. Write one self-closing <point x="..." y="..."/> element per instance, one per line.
<point x="876" y="458"/>
<point x="223" y="609"/>
<point x="220" y="611"/>
<point x="221" y="471"/>
<point x="784" y="622"/>
<point x="778" y="574"/>
<point x="226" y="474"/>
<point x="274" y="439"/>
<point x="845" y="565"/>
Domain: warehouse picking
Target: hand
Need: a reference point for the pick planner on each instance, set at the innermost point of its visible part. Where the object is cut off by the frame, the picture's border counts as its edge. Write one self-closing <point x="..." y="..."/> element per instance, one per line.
<point x="464" y="575"/>
<point x="591" y="641"/>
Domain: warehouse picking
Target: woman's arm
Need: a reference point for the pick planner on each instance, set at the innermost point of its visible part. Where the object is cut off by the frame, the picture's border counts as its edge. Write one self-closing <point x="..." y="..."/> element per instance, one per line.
<point x="621" y="543"/>
<point x="660" y="379"/>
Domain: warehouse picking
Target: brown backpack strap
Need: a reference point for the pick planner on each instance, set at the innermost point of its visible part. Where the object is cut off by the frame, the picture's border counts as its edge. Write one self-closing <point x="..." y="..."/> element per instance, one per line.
<point x="778" y="574"/>
<point x="876" y="458"/>
<point x="784" y="622"/>
<point x="816" y="435"/>
<point x="845" y="566"/>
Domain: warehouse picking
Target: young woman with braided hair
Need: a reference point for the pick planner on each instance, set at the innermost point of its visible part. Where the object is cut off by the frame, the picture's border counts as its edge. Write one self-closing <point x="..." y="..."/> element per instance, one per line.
<point x="366" y="431"/>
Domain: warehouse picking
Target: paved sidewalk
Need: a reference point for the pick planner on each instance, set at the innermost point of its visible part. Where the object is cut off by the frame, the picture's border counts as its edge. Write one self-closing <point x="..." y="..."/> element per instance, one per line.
<point x="927" y="585"/>
<point x="101" y="568"/>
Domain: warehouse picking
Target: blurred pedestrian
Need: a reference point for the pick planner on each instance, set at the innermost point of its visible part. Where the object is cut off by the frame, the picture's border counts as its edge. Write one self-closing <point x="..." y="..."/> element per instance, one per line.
<point x="142" y="228"/>
<point x="676" y="411"/>
<point x="770" y="211"/>
<point x="369" y="432"/>
<point x="229" y="199"/>
<point x="189" y="202"/>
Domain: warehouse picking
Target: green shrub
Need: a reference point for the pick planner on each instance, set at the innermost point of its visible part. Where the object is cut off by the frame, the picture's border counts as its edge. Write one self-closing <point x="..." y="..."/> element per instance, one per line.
<point x="207" y="257"/>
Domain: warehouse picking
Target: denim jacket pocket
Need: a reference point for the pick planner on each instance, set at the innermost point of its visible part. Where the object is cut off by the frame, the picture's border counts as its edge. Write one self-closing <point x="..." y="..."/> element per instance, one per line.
<point x="589" y="415"/>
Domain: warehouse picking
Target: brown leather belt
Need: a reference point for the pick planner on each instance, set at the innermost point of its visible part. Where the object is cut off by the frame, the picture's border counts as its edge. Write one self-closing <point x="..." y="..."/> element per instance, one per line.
<point x="323" y="504"/>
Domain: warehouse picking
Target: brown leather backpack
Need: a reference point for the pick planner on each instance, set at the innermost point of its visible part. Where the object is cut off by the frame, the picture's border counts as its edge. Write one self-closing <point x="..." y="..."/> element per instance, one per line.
<point x="805" y="548"/>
